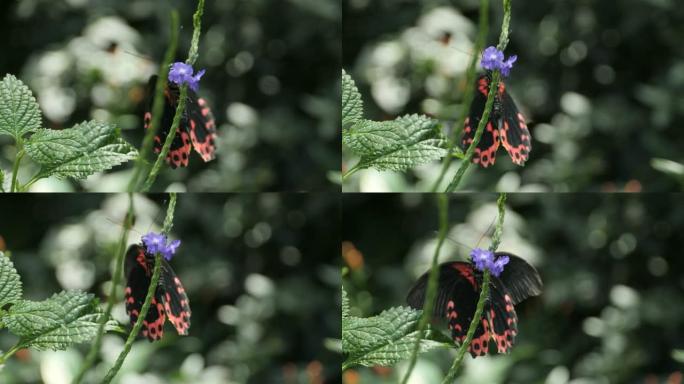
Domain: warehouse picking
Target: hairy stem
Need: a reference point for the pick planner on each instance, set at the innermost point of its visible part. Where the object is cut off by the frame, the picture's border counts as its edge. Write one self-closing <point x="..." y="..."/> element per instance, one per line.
<point x="154" y="282"/>
<point x="15" y="167"/>
<point x="484" y="294"/>
<point x="11" y="352"/>
<point x="180" y="109"/>
<point x="157" y="107"/>
<point x="120" y="252"/>
<point x="350" y="172"/>
<point x="483" y="25"/>
<point x="503" y="41"/>
<point x="428" y="306"/>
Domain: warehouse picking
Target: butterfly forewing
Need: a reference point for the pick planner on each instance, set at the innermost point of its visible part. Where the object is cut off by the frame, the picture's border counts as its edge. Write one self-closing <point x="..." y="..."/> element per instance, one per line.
<point x="458" y="291"/>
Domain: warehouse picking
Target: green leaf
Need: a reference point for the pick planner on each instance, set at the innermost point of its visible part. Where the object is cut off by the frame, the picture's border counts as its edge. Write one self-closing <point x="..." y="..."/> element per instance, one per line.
<point x="2" y="181"/>
<point x="10" y="283"/>
<point x="345" y="304"/>
<point x="19" y="111"/>
<point x="385" y="339"/>
<point x="64" y="319"/>
<point x="80" y="151"/>
<point x="396" y="145"/>
<point x="352" y="105"/>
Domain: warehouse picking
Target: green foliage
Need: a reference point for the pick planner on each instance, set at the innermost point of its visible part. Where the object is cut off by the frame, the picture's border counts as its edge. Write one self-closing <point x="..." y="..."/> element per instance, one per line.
<point x="384" y="339"/>
<point x="10" y="284"/>
<point x="19" y="112"/>
<point x="76" y="152"/>
<point x="352" y="105"/>
<point x="64" y="319"/>
<point x="395" y="145"/>
<point x="80" y="151"/>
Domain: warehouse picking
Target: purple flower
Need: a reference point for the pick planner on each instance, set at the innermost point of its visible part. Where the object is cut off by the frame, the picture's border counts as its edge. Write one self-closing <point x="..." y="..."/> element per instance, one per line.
<point x="507" y="65"/>
<point x="493" y="59"/>
<point x="154" y="242"/>
<point x="157" y="243"/>
<point x="486" y="260"/>
<point x="482" y="258"/>
<point x="498" y="266"/>
<point x="181" y="73"/>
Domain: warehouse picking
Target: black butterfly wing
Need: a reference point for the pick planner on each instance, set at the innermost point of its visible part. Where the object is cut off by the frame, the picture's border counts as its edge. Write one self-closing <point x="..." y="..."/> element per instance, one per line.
<point x="501" y="314"/>
<point x="485" y="153"/>
<point x="179" y="151"/>
<point x="515" y="136"/>
<point x="202" y="127"/>
<point x="138" y="278"/>
<point x="520" y="278"/>
<point x="175" y="299"/>
<point x="457" y="294"/>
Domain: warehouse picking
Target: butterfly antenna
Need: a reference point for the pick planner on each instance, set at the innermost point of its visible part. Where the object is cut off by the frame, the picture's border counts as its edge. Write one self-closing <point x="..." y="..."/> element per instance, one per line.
<point x="489" y="229"/>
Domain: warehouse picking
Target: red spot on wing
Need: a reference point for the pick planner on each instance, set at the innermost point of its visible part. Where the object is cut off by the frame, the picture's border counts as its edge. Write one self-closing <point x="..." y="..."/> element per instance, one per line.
<point x="467" y="272"/>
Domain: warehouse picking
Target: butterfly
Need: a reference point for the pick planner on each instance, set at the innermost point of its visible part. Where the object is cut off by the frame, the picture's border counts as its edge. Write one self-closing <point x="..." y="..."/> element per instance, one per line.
<point x="197" y="128"/>
<point x="506" y="125"/>
<point x="169" y="301"/>
<point x="459" y="290"/>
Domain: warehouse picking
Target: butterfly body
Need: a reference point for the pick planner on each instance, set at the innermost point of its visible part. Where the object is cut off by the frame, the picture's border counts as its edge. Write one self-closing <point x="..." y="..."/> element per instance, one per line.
<point x="197" y="128"/>
<point x="459" y="287"/>
<point x="506" y="126"/>
<point x="169" y="301"/>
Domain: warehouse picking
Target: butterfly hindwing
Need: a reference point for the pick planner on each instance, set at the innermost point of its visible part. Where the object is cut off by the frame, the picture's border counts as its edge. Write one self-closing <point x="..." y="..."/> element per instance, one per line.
<point x="202" y="128"/>
<point x="457" y="295"/>
<point x="138" y="277"/>
<point x="175" y="300"/>
<point x="501" y="315"/>
<point x="485" y="152"/>
<point x="515" y="136"/>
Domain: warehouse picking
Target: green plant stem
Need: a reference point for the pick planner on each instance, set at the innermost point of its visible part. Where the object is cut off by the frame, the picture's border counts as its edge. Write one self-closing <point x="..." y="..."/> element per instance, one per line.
<point x="428" y="306"/>
<point x="180" y="109"/>
<point x="169" y="139"/>
<point x="116" y="278"/>
<point x="503" y="41"/>
<point x="157" y="106"/>
<point x="484" y="294"/>
<point x="138" y="324"/>
<point x="154" y="282"/>
<point x="10" y="352"/>
<point x="483" y="25"/>
<point x="15" y="167"/>
<point x="350" y="172"/>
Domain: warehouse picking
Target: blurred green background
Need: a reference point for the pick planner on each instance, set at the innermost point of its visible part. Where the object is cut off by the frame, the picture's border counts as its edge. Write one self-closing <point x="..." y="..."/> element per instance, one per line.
<point x="272" y="83"/>
<point x="612" y="307"/>
<point x="260" y="272"/>
<point x="601" y="85"/>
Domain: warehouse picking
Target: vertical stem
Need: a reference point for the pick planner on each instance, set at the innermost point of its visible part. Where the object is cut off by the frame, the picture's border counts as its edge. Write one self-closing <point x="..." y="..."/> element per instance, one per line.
<point x="116" y="278"/>
<point x="503" y="41"/>
<point x="157" y="106"/>
<point x="15" y="167"/>
<point x="483" y="25"/>
<point x="154" y="282"/>
<point x="428" y="306"/>
<point x="180" y="109"/>
<point x="484" y="293"/>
